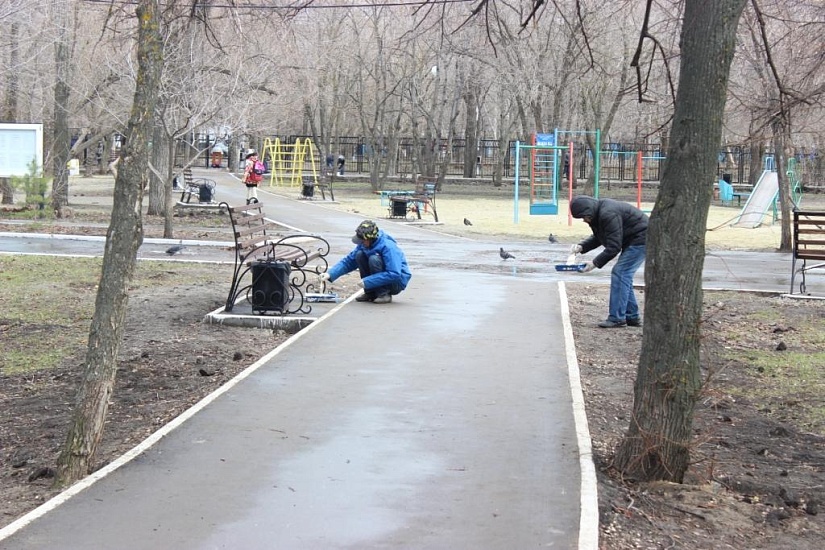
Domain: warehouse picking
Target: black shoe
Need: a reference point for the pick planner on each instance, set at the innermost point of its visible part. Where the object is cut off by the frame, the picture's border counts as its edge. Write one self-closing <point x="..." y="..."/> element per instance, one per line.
<point x="635" y="322"/>
<point x="611" y="324"/>
<point x="365" y="297"/>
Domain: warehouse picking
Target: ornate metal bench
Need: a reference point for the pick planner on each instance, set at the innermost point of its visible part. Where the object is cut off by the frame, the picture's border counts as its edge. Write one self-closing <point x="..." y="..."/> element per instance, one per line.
<point x="202" y="189"/>
<point x="273" y="271"/>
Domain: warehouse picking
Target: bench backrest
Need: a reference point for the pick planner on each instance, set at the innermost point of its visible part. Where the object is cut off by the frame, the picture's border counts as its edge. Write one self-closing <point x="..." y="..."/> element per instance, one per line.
<point x="809" y="235"/>
<point x="250" y="228"/>
<point x="425" y="189"/>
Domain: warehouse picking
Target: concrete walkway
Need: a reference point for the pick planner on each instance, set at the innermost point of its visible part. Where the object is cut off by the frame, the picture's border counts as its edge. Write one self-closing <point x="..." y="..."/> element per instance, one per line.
<point x="445" y="420"/>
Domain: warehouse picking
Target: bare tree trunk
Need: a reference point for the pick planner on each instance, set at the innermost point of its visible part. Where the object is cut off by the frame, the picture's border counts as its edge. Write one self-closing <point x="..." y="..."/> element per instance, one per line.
<point x="169" y="201"/>
<point x="123" y="239"/>
<point x="757" y="152"/>
<point x="157" y="194"/>
<point x="471" y="152"/>
<point x="60" y="183"/>
<point x="10" y="100"/>
<point x="668" y="380"/>
<point x="781" y="139"/>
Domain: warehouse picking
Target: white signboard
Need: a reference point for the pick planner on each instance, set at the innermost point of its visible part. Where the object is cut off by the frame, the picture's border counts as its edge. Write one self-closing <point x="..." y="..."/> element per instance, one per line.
<point x="19" y="145"/>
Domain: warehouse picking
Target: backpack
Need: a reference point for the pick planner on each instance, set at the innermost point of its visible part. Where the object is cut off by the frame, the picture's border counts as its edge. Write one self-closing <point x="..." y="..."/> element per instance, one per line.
<point x="256" y="174"/>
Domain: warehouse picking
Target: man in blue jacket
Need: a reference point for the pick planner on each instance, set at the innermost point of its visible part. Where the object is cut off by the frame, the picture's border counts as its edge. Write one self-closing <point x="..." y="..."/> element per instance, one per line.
<point x="621" y="229"/>
<point x="379" y="260"/>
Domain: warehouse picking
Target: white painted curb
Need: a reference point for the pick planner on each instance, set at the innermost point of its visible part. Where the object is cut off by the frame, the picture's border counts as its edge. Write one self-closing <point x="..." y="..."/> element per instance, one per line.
<point x="147" y="443"/>
<point x="589" y="506"/>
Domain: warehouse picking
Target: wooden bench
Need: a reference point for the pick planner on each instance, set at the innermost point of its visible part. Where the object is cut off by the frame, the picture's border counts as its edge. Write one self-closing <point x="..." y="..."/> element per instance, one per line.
<point x="272" y="271"/>
<point x="422" y="198"/>
<point x="201" y="188"/>
<point x="808" y="244"/>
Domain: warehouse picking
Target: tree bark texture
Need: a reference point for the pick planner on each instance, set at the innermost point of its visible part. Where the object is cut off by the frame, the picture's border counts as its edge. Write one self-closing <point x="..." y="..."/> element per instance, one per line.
<point x="123" y="239"/>
<point x="160" y="178"/>
<point x="60" y="183"/>
<point x="781" y="140"/>
<point x="668" y="380"/>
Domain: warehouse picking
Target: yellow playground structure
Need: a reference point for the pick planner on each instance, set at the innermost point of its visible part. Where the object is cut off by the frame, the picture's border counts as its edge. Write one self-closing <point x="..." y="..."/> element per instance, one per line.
<point x="287" y="162"/>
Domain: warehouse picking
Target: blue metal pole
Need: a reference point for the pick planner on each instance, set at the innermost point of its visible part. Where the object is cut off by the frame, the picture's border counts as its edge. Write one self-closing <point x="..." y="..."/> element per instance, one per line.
<point x="515" y="187"/>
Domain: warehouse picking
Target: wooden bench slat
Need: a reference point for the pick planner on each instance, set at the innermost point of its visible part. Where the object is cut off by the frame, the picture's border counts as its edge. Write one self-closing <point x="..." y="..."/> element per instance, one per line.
<point x="259" y="228"/>
<point x="808" y="244"/>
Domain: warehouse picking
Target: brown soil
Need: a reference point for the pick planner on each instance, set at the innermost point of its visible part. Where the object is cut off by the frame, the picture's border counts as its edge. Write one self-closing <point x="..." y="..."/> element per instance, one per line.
<point x="759" y="474"/>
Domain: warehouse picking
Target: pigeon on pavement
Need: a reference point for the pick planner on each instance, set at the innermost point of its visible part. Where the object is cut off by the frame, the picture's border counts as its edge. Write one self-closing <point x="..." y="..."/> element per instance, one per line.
<point x="467" y="222"/>
<point x="504" y="254"/>
<point x="172" y="250"/>
<point x="552" y="238"/>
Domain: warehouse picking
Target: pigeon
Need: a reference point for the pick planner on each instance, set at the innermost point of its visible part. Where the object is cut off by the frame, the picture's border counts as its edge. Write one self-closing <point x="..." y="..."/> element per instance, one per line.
<point x="552" y="238"/>
<point x="467" y="222"/>
<point x="504" y="254"/>
<point x="172" y="250"/>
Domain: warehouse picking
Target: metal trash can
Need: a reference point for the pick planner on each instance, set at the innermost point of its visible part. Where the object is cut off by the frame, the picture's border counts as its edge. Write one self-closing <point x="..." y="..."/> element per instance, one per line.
<point x="270" y="286"/>
<point x="308" y="189"/>
<point x="399" y="209"/>
<point x="205" y="193"/>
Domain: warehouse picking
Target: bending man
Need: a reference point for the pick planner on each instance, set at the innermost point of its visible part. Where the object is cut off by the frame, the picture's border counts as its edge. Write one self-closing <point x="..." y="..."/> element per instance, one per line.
<point x="622" y="230"/>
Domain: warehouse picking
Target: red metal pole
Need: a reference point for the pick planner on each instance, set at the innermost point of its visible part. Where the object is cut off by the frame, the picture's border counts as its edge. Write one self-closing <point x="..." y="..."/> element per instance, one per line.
<point x="639" y="178"/>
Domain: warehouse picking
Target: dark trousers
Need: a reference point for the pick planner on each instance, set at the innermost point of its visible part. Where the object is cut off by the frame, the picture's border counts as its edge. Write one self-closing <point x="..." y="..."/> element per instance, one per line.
<point x="370" y="265"/>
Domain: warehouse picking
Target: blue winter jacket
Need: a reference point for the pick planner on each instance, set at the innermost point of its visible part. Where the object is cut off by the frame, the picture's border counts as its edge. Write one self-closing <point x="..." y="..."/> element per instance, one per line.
<point x="396" y="269"/>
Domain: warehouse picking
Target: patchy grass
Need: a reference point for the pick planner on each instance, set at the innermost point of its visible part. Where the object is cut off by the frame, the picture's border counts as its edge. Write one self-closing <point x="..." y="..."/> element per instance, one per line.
<point x="49" y="303"/>
<point x="782" y="351"/>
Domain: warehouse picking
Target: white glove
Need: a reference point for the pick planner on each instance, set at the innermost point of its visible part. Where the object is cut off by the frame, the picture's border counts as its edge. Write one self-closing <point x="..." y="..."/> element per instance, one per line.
<point x="360" y="283"/>
<point x="323" y="278"/>
<point x="576" y="249"/>
<point x="588" y="266"/>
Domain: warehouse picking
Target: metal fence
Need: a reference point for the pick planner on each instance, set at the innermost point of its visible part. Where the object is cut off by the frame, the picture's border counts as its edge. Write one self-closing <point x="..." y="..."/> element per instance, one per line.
<point x="619" y="161"/>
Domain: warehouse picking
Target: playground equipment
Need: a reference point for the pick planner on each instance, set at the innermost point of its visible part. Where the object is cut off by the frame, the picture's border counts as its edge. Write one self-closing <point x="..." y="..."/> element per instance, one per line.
<point x="766" y="193"/>
<point x="288" y="160"/>
<point x="545" y="168"/>
<point x="640" y="159"/>
<point x="597" y="170"/>
<point x="542" y="174"/>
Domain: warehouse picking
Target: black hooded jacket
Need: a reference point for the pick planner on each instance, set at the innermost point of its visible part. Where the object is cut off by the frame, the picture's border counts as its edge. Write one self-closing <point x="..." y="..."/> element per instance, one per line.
<point x="616" y="225"/>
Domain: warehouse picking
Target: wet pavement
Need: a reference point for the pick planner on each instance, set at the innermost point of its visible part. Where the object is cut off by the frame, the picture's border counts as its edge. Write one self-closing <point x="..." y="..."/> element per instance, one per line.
<point x="444" y="420"/>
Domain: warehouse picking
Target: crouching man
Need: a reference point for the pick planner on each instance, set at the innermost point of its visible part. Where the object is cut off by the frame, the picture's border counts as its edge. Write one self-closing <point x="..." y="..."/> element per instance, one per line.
<point x="379" y="260"/>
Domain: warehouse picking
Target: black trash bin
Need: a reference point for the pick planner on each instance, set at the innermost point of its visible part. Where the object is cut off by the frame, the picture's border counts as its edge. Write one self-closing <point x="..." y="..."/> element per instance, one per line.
<point x="308" y="190"/>
<point x="270" y="286"/>
<point x="205" y="193"/>
<point x="399" y="209"/>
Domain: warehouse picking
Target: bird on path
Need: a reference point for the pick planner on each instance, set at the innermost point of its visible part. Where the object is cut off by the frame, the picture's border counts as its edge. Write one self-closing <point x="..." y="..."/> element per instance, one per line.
<point x="467" y="222"/>
<point x="172" y="250"/>
<point x="504" y="254"/>
<point x="552" y="238"/>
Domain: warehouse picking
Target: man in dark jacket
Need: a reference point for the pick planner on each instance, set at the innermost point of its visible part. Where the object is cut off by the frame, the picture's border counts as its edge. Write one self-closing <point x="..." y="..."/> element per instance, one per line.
<point x="622" y="230"/>
<point x="379" y="260"/>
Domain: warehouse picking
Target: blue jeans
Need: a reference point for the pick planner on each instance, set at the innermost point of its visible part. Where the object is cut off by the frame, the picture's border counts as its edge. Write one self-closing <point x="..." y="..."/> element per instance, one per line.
<point x="623" y="304"/>
<point x="374" y="264"/>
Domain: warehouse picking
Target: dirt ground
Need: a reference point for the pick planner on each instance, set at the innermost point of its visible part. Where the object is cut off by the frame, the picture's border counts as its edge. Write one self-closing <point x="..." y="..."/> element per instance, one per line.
<point x="758" y="478"/>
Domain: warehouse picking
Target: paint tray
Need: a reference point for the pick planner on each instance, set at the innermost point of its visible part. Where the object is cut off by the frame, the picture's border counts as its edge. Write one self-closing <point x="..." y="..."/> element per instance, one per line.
<point x="329" y="297"/>
<point x="570" y="267"/>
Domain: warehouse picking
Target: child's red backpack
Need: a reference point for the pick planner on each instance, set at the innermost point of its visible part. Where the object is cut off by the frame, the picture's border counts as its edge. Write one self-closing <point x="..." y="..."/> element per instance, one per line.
<point x="257" y="172"/>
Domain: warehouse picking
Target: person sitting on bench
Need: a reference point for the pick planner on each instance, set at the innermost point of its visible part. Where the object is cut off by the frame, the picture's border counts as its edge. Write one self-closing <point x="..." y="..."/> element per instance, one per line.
<point x="379" y="260"/>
